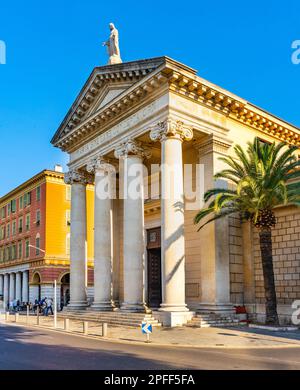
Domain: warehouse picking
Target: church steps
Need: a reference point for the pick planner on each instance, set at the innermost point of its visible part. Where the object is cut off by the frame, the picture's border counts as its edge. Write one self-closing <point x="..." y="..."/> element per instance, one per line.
<point x="112" y="318"/>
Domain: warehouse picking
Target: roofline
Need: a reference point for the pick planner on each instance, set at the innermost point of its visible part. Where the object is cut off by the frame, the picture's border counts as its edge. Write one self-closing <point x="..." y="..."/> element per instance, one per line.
<point x="32" y="180"/>
<point x="115" y="68"/>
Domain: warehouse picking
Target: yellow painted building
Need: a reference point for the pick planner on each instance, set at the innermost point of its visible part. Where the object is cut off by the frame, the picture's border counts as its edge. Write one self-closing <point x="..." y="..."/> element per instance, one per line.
<point x="35" y="238"/>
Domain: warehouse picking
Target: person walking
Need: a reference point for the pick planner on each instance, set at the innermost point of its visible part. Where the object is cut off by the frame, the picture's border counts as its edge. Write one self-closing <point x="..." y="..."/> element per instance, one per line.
<point x="49" y="306"/>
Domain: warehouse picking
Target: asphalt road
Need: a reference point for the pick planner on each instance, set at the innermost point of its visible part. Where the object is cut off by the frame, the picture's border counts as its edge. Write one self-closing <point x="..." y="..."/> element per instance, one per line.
<point x="35" y="349"/>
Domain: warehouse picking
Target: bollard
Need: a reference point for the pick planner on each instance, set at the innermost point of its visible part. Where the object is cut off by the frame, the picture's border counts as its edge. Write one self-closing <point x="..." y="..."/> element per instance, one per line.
<point x="104" y="329"/>
<point x="16" y="317"/>
<point x="38" y="317"/>
<point x="7" y="316"/>
<point x="67" y="324"/>
<point x="27" y="314"/>
<point x="85" y="328"/>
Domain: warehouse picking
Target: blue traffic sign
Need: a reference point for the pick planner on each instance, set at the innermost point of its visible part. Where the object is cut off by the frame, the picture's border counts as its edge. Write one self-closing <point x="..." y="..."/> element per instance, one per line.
<point x="146" y="328"/>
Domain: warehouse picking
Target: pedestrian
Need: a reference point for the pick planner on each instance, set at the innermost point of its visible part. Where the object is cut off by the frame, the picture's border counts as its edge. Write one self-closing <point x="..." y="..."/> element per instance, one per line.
<point x="49" y="306"/>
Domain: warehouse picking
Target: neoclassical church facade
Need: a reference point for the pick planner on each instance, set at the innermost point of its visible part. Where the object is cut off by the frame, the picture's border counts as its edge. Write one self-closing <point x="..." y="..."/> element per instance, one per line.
<point x="148" y="253"/>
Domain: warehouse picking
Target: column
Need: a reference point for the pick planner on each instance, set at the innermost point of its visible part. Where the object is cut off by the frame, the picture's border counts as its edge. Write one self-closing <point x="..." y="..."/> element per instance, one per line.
<point x="171" y="134"/>
<point x="103" y="240"/>
<point x="214" y="253"/>
<point x="6" y="291"/>
<point x="78" y="250"/>
<point x="12" y="287"/>
<point x="19" y="286"/>
<point x="25" y="286"/>
<point x="132" y="154"/>
<point x="1" y="284"/>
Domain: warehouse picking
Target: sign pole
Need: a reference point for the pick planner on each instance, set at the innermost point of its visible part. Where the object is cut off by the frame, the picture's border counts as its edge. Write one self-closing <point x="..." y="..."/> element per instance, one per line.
<point x="55" y="305"/>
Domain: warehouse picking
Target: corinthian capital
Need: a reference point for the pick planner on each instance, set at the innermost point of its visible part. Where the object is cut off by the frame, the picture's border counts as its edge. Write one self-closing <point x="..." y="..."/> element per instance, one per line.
<point x="132" y="147"/>
<point x="171" y="129"/>
<point x="75" y="176"/>
<point x="100" y="164"/>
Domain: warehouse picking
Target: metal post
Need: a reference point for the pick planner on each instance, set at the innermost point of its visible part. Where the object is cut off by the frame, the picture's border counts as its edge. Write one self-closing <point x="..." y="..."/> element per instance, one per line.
<point x="67" y="324"/>
<point x="38" y="316"/>
<point x="55" y="305"/>
<point x="7" y="316"/>
<point x="27" y="314"/>
<point x="104" y="329"/>
<point x="85" y="328"/>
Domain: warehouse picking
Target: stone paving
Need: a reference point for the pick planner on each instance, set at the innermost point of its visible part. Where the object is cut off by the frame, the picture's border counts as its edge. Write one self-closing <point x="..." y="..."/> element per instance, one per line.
<point x="238" y="337"/>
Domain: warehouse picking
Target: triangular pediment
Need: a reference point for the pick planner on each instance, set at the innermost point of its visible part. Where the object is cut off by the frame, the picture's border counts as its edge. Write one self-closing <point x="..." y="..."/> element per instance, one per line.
<point x="106" y="95"/>
<point x="104" y="85"/>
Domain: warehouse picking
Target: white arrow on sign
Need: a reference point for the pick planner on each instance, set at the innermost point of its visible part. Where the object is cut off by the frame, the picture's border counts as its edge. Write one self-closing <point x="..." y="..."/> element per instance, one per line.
<point x="146" y="328"/>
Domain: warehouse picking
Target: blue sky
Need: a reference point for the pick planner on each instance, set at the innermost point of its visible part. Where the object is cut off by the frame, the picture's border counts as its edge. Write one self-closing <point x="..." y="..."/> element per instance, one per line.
<point x="52" y="47"/>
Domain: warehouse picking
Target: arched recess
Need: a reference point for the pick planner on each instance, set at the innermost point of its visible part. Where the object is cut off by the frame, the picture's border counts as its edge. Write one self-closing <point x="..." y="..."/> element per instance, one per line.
<point x="65" y="289"/>
<point x="36" y="285"/>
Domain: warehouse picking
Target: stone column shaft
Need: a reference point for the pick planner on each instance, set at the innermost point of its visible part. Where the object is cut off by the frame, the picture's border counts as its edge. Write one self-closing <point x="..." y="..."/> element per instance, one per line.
<point x="19" y="286"/>
<point x="172" y="134"/>
<point x="78" y="240"/>
<point x="133" y="227"/>
<point x="1" y="284"/>
<point x="12" y="287"/>
<point x="103" y="240"/>
<point x="25" y="286"/>
<point x="6" y="291"/>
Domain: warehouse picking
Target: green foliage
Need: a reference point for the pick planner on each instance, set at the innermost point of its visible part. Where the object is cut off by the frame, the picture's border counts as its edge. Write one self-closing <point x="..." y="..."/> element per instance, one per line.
<point x="264" y="176"/>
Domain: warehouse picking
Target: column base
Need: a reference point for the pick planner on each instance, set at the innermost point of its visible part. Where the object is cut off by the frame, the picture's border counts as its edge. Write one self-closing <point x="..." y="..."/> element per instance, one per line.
<point x="133" y="307"/>
<point x="77" y="306"/>
<point x="216" y="308"/>
<point x="173" y="308"/>
<point x="173" y="318"/>
<point x="102" y="306"/>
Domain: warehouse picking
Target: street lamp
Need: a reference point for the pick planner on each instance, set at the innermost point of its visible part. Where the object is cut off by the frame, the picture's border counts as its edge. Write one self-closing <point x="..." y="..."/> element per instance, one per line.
<point x="35" y="247"/>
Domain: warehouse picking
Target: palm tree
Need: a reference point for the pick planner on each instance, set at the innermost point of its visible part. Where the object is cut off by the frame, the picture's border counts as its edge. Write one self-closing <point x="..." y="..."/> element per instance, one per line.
<point x="263" y="177"/>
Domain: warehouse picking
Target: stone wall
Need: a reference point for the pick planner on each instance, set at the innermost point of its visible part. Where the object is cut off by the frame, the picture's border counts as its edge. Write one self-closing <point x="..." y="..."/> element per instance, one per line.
<point x="236" y="260"/>
<point x="286" y="257"/>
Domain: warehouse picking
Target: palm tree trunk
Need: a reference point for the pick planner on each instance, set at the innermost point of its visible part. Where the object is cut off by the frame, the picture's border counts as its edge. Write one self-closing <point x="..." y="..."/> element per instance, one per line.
<point x="265" y="237"/>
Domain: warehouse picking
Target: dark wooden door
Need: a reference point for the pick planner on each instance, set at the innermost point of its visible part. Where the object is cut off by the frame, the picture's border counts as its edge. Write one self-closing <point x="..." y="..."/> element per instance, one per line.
<point x="154" y="277"/>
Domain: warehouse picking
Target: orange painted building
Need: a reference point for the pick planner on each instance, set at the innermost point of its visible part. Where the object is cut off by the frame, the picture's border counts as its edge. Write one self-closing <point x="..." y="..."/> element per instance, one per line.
<point x="35" y="239"/>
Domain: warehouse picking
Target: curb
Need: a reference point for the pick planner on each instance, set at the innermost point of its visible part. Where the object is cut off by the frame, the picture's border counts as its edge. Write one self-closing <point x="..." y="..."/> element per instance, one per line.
<point x="153" y="344"/>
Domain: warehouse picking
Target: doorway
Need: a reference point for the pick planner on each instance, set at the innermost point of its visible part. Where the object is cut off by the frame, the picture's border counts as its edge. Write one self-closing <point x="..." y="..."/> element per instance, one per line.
<point x="154" y="267"/>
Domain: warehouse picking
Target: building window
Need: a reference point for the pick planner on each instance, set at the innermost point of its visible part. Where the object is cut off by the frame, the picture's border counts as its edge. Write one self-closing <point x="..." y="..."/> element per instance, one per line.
<point x="28" y="222"/>
<point x="20" y="250"/>
<point x="37" y="245"/>
<point x="2" y="233"/>
<point x="14" y="228"/>
<point x="38" y="193"/>
<point x="14" y="252"/>
<point x="38" y="218"/>
<point x="27" y="199"/>
<point x="13" y="206"/>
<point x="21" y="203"/>
<point x="20" y="225"/>
<point x="8" y="231"/>
<point x="27" y="249"/>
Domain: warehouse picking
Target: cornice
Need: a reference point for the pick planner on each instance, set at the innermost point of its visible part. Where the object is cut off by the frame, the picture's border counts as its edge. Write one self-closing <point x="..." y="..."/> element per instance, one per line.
<point x="173" y="77"/>
<point x="220" y="100"/>
<point x="30" y="184"/>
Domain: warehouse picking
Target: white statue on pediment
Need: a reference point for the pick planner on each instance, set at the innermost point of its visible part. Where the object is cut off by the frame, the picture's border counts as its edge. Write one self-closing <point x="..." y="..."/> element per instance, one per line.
<point x="113" y="46"/>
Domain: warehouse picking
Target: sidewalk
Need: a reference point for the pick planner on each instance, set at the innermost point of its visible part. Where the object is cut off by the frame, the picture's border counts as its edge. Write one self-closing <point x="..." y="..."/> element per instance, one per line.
<point x="238" y="337"/>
